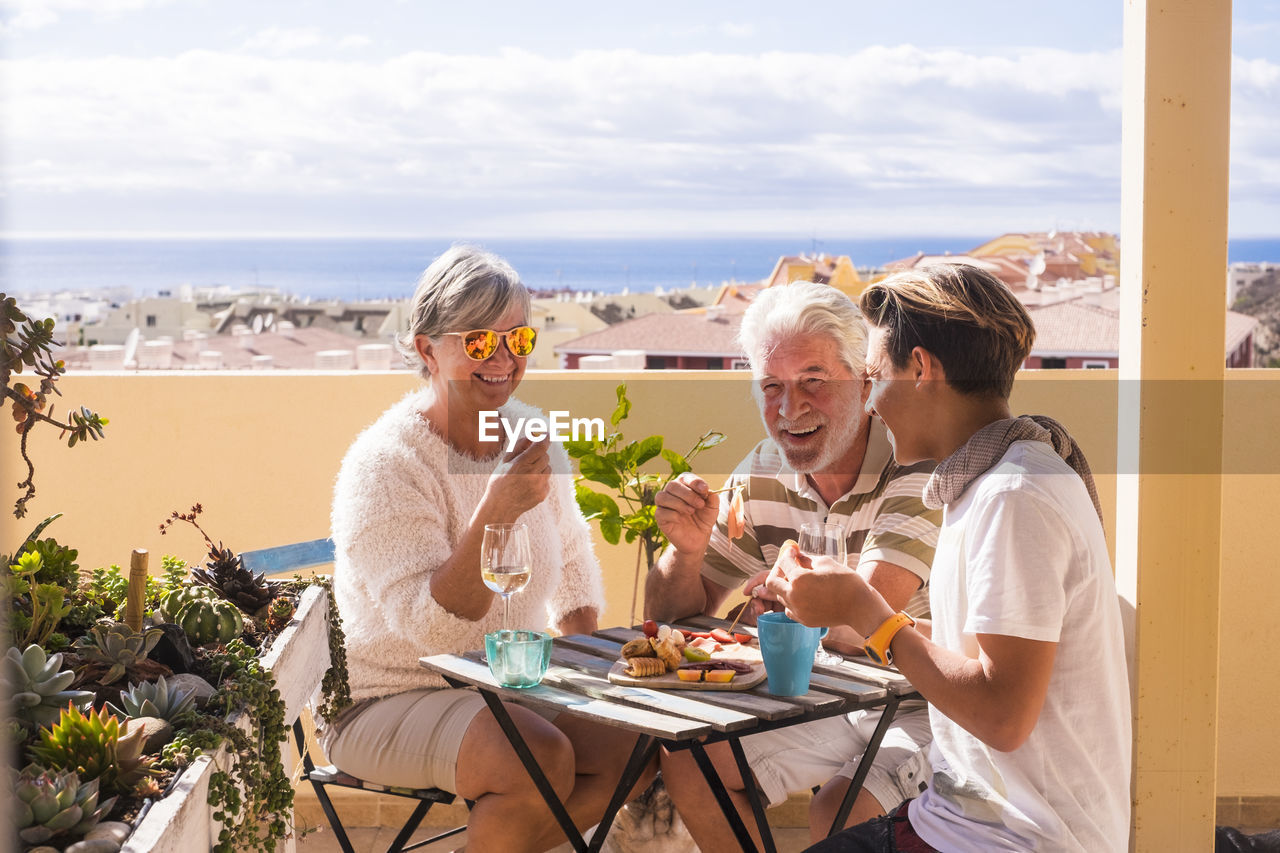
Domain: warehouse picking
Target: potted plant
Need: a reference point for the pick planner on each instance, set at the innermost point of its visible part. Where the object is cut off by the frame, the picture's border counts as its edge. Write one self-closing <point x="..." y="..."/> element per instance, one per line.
<point x="628" y="512"/>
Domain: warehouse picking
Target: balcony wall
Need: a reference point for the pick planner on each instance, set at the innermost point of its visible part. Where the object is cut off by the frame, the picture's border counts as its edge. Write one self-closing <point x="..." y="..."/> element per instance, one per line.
<point x="260" y="452"/>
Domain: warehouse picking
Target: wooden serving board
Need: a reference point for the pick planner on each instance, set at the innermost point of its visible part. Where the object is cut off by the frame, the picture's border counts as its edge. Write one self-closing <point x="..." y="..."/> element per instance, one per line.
<point x="671" y="681"/>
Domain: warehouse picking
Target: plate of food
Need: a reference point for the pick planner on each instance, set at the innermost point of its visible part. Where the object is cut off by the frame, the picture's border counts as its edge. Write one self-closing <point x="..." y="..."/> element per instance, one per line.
<point x="671" y="659"/>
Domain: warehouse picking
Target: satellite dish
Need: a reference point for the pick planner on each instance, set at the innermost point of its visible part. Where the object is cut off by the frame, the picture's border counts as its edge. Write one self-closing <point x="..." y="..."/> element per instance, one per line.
<point x="131" y="347"/>
<point x="1037" y="265"/>
<point x="257" y="324"/>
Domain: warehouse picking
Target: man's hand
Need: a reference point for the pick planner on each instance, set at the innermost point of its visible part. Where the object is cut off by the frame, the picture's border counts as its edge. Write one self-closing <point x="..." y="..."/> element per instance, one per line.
<point x="686" y="513"/>
<point x="819" y="591"/>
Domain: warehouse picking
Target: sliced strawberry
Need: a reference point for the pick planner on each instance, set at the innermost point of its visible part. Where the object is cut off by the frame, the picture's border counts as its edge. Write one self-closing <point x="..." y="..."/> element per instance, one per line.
<point x="744" y="639"/>
<point x="720" y="635"/>
<point x="692" y="635"/>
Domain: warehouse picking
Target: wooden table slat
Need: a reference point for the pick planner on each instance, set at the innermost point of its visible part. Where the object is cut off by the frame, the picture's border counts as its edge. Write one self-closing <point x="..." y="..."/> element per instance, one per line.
<point x="684" y="703"/>
<point x="636" y="719"/>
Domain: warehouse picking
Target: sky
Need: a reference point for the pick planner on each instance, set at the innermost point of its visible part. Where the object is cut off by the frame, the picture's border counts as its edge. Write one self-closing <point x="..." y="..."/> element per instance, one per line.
<point x="671" y="117"/>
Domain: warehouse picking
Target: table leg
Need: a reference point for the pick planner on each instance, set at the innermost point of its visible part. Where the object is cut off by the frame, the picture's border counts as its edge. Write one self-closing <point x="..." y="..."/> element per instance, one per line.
<point x="535" y="772"/>
<point x="722" y="797"/>
<point x="641" y="753"/>
<point x="753" y="795"/>
<point x="864" y="764"/>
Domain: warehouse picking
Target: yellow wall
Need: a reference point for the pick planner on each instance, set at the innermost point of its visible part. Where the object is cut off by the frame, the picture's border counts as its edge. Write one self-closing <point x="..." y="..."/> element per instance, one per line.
<point x="260" y="452"/>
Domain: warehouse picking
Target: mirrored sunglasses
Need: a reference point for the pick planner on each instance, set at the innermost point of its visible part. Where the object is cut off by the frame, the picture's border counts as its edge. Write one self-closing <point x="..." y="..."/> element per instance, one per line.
<point x="480" y="344"/>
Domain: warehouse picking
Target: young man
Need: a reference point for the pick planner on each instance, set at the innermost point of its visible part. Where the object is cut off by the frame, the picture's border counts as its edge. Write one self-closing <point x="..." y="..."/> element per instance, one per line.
<point x="825" y="460"/>
<point x="1025" y="670"/>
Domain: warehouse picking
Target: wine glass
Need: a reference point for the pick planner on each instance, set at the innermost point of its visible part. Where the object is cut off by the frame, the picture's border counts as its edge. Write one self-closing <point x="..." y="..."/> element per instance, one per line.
<point x="818" y="539"/>
<point x="505" y="562"/>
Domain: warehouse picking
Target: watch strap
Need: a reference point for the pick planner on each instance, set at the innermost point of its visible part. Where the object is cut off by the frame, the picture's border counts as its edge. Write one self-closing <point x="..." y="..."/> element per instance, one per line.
<point x="877" y="646"/>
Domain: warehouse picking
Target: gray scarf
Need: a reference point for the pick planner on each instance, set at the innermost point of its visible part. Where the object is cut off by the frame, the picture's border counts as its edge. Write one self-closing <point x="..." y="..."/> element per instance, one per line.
<point x="986" y="447"/>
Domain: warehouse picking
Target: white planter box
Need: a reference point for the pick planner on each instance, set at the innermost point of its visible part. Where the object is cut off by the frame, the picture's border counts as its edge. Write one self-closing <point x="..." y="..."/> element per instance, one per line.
<point x="183" y="821"/>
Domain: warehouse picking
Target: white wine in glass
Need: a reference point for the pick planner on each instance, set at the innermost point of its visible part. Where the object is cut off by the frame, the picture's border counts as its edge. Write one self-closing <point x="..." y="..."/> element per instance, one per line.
<point x="824" y="540"/>
<point x="505" y="562"/>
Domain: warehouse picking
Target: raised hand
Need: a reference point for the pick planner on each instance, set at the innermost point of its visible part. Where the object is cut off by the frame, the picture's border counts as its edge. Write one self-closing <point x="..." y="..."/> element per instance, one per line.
<point x="686" y="513"/>
<point x="521" y="481"/>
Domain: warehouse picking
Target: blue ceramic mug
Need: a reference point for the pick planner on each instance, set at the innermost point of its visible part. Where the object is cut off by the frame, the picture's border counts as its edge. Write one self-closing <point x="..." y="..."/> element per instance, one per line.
<point x="787" y="648"/>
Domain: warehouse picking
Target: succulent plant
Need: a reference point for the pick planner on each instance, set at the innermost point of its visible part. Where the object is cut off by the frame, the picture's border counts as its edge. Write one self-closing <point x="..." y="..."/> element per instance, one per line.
<point x="55" y="804"/>
<point x="154" y="699"/>
<point x="36" y="685"/>
<point x="171" y="602"/>
<point x="116" y="645"/>
<point x="279" y="613"/>
<point x="95" y="745"/>
<point x="210" y="621"/>
<point x="179" y="752"/>
<point x="226" y="575"/>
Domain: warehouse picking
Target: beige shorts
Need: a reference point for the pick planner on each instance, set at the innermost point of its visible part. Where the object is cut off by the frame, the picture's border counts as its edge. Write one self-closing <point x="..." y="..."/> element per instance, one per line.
<point x="410" y="740"/>
<point x="799" y="758"/>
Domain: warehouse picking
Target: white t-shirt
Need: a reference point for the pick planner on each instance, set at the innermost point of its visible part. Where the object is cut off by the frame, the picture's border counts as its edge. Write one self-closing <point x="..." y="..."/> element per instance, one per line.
<point x="1022" y="554"/>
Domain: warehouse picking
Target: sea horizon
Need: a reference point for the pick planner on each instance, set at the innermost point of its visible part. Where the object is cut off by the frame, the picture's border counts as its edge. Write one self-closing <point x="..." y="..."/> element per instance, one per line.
<point x="366" y="268"/>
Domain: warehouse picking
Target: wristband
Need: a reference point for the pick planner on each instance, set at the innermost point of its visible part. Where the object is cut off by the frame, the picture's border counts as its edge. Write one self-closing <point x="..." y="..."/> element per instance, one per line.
<point x="877" y="647"/>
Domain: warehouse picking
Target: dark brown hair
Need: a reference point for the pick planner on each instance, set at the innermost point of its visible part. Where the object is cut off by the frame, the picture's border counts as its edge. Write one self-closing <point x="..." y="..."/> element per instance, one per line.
<point x="963" y="315"/>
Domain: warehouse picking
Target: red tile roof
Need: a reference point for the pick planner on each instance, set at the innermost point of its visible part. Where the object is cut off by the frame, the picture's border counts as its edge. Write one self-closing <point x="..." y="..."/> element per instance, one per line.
<point x="664" y="334"/>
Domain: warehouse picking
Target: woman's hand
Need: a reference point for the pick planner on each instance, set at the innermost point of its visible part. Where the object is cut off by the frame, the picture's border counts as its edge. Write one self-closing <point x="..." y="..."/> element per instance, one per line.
<point x="521" y="481"/>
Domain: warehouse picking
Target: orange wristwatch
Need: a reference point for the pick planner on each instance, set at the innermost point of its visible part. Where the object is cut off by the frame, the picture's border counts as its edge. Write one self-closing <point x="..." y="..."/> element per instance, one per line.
<point x="877" y="647"/>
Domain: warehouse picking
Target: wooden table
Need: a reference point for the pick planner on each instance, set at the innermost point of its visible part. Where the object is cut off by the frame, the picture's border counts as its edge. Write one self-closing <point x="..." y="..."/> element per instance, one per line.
<point x="577" y="683"/>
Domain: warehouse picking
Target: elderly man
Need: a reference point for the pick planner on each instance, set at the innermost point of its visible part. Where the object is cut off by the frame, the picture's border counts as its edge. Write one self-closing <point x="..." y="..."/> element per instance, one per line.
<point x="825" y="460"/>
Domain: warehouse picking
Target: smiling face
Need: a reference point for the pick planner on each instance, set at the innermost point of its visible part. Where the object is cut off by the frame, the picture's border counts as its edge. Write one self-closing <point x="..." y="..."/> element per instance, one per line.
<point x="811" y="404"/>
<point x="475" y="385"/>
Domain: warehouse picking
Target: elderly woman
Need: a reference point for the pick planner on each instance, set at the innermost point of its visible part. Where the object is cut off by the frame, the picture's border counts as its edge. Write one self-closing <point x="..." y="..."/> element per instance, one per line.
<point x="414" y="494"/>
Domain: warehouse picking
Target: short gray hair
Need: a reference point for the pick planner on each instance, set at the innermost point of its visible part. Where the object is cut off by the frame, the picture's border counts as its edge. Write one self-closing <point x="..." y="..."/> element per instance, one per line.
<point x="465" y="288"/>
<point x="801" y="309"/>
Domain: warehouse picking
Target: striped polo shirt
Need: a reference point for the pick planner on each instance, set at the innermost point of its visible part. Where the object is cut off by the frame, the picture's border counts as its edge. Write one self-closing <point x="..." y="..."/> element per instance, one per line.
<point x="883" y="515"/>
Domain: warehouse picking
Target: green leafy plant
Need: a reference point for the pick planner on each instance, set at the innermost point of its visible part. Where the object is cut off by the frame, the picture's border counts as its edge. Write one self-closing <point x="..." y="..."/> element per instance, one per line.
<point x="117" y="646"/>
<point x="36" y="685"/>
<point x="95" y="745"/>
<point x="37" y="607"/>
<point x="628" y="513"/>
<point x="28" y="343"/>
<point x="55" y="805"/>
<point x="255" y="793"/>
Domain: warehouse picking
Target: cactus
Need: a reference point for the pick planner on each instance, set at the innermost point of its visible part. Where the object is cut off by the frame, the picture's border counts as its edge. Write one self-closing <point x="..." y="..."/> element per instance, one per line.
<point x="95" y="746"/>
<point x="37" y="686"/>
<point x="154" y="699"/>
<point x="118" y="646"/>
<point x="171" y="602"/>
<point x="55" y="804"/>
<point x="210" y="621"/>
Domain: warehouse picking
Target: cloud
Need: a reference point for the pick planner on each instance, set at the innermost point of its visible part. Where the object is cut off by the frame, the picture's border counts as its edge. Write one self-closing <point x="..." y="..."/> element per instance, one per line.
<point x="18" y="15"/>
<point x="892" y="135"/>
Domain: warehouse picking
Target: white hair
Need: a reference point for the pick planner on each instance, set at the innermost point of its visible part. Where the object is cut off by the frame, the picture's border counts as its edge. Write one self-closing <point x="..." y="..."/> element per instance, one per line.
<point x="804" y="309"/>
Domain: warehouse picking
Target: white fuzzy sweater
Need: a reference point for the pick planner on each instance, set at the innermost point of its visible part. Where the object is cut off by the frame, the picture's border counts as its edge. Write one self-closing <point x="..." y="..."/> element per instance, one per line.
<point x="402" y="501"/>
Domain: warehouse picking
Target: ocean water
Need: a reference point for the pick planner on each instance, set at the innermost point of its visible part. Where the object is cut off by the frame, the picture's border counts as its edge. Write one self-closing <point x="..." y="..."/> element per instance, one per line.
<point x="371" y="269"/>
